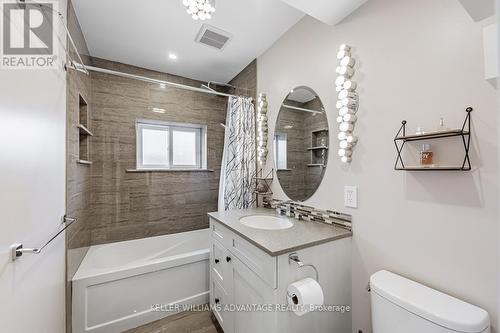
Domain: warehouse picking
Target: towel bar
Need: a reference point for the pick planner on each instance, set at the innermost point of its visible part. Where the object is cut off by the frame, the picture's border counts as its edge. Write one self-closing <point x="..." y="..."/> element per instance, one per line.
<point x="17" y="249"/>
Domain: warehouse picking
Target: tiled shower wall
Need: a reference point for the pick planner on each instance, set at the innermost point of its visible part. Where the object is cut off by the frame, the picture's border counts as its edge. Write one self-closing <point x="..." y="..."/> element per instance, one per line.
<point x="78" y="185"/>
<point x="314" y="175"/>
<point x="292" y="179"/>
<point x="246" y="81"/>
<point x="112" y="204"/>
<point x="78" y="175"/>
<point x="128" y="205"/>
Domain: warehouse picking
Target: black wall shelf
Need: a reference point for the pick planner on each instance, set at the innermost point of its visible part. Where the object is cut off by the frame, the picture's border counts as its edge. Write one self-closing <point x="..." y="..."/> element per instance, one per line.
<point x="264" y="181"/>
<point x="401" y="139"/>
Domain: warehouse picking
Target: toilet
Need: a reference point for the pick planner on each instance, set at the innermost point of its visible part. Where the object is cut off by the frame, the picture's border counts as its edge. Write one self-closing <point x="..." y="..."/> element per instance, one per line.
<point x="400" y="305"/>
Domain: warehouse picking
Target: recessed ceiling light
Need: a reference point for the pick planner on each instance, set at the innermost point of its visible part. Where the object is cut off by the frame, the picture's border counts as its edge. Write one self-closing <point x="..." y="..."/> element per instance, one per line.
<point x="172" y="56"/>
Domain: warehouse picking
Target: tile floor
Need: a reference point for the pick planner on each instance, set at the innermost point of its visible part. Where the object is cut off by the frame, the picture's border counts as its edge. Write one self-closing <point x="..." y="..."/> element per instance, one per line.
<point x="185" y="322"/>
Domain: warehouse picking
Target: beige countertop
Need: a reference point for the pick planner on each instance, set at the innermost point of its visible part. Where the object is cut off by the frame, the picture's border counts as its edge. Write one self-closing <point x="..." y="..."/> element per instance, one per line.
<point x="303" y="234"/>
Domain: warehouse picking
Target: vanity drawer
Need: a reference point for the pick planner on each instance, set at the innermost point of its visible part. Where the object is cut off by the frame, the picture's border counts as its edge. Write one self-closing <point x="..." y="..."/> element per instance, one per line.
<point x="264" y="265"/>
<point x="218" y="299"/>
<point x="220" y="233"/>
<point x="218" y="266"/>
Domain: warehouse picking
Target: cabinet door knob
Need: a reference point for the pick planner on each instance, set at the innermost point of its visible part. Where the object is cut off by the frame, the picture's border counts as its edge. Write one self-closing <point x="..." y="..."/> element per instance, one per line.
<point x="216" y="261"/>
<point x="228" y="259"/>
<point x="217" y="301"/>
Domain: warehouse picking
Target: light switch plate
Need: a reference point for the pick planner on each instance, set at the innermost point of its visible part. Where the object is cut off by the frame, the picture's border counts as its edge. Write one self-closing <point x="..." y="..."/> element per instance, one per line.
<point x="351" y="196"/>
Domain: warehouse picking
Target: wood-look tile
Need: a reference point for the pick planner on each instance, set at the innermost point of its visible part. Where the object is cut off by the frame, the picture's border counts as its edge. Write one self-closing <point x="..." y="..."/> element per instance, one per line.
<point x="126" y="204"/>
<point x="78" y="184"/>
<point x="185" y="322"/>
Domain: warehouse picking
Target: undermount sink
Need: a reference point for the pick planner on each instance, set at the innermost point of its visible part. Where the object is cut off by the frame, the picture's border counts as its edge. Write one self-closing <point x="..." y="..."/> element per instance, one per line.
<point x="266" y="222"/>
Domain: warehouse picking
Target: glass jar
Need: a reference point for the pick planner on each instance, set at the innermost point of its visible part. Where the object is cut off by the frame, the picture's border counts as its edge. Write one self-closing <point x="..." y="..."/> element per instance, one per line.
<point x="426" y="156"/>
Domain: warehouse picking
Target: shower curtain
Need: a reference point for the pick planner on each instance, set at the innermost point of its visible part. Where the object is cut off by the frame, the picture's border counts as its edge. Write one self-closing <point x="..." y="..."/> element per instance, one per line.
<point x="238" y="169"/>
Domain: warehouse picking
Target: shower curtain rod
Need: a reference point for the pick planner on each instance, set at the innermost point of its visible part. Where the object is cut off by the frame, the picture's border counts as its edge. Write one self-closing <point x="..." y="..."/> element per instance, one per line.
<point x="81" y="67"/>
<point x="300" y="109"/>
<point x="76" y="66"/>
<point x="71" y="63"/>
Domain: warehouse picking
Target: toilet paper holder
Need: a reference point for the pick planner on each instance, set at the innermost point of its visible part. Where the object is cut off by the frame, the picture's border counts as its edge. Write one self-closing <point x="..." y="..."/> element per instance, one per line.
<point x="294" y="257"/>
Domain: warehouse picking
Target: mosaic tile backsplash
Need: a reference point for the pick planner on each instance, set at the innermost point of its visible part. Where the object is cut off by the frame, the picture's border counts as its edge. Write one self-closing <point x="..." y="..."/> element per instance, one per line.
<point x="307" y="213"/>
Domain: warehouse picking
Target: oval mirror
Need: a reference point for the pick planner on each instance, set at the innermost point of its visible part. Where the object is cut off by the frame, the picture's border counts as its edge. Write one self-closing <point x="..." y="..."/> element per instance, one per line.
<point x="301" y="143"/>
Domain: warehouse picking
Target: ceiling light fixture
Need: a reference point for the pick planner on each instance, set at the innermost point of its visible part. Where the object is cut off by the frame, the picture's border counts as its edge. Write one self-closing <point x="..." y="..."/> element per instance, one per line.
<point x="172" y="56"/>
<point x="200" y="9"/>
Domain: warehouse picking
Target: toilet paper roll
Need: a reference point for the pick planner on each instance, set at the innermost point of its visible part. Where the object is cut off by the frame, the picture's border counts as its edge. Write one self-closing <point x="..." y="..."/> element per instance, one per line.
<point x="303" y="295"/>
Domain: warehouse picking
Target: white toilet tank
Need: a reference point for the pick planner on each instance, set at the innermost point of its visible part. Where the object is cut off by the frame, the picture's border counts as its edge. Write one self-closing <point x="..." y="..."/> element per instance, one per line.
<point x="400" y="305"/>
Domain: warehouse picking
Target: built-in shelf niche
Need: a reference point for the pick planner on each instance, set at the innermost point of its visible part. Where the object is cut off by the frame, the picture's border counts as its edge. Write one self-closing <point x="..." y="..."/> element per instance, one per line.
<point x="319" y="148"/>
<point x="84" y="132"/>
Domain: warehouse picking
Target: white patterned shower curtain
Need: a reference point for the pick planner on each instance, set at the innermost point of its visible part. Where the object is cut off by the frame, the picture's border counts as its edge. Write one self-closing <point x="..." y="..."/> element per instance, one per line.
<point x="238" y="169"/>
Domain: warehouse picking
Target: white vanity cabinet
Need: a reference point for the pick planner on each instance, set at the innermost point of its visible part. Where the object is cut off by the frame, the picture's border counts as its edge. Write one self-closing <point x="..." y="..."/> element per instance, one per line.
<point x="235" y="266"/>
<point x="241" y="274"/>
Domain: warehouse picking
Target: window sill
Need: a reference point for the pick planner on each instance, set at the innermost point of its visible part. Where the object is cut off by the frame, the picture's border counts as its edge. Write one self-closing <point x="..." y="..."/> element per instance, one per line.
<point x="167" y="170"/>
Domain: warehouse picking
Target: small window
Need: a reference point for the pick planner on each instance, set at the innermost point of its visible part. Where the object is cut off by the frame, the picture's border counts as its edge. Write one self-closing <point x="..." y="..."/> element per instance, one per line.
<point x="280" y="147"/>
<point x="162" y="145"/>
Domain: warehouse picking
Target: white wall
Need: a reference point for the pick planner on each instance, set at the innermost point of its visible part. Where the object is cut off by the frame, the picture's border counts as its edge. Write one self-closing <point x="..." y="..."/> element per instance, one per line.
<point x="497" y="10"/>
<point x="419" y="60"/>
<point x="490" y="40"/>
<point x="32" y="183"/>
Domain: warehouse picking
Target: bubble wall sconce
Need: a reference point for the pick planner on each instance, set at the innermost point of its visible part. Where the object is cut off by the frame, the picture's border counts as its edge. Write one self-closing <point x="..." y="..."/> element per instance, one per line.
<point x="347" y="103"/>
<point x="262" y="129"/>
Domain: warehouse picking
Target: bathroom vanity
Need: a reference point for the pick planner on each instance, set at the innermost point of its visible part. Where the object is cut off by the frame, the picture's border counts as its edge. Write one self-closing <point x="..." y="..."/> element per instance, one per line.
<point x="249" y="266"/>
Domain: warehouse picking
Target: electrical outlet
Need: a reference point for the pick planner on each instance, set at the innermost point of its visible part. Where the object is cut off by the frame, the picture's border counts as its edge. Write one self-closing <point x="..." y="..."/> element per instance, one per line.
<point x="351" y="196"/>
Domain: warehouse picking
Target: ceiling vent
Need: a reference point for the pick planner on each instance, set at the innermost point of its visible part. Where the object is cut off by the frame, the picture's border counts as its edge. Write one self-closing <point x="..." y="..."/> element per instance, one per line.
<point x="213" y="37"/>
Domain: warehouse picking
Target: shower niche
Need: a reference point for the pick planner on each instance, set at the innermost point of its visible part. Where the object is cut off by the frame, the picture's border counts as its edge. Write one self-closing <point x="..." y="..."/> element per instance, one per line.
<point x="84" y="134"/>
<point x="319" y="148"/>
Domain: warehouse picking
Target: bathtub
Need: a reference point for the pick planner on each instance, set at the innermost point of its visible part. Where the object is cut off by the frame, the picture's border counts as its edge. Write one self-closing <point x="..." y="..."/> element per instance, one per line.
<point x="118" y="285"/>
